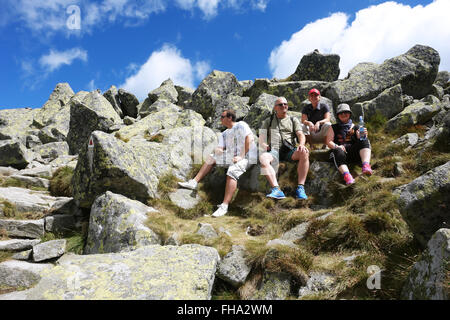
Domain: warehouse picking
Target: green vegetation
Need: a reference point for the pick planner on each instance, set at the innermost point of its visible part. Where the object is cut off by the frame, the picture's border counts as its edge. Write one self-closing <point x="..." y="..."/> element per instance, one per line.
<point x="13" y="182"/>
<point x="61" y="182"/>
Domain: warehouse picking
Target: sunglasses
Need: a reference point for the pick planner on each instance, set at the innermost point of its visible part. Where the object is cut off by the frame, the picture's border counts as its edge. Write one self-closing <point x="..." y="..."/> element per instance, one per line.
<point x="221" y="117"/>
<point x="282" y="104"/>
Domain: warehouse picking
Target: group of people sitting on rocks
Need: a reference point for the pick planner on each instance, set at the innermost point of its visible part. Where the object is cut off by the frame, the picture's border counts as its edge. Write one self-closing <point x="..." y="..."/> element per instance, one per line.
<point x="283" y="138"/>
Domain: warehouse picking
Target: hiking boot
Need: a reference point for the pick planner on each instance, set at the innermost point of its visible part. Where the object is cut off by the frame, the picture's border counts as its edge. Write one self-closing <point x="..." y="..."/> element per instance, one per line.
<point x="221" y="211"/>
<point x="191" y="184"/>
<point x="348" y="179"/>
<point x="300" y="193"/>
<point x="276" y="193"/>
<point x="366" y="169"/>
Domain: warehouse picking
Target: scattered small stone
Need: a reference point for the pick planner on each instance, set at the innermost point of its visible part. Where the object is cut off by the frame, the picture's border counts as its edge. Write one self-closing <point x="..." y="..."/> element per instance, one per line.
<point x="49" y="250"/>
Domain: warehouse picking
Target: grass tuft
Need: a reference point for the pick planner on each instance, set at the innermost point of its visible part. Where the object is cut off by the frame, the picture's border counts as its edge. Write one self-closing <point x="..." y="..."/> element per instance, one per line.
<point x="61" y="182"/>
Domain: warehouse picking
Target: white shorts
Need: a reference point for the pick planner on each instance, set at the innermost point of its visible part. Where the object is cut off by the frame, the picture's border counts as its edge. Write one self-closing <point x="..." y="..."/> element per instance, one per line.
<point x="235" y="170"/>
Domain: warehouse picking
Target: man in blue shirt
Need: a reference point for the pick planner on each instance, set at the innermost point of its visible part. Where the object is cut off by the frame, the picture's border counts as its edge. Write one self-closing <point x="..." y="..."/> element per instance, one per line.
<point x="316" y="117"/>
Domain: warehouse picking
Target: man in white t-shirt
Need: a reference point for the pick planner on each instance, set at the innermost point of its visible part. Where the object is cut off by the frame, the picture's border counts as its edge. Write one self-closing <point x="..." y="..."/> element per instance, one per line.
<point x="236" y="150"/>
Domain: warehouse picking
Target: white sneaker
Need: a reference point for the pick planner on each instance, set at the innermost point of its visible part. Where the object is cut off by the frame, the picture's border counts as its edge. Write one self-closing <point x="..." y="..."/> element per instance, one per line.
<point x="221" y="211"/>
<point x="191" y="184"/>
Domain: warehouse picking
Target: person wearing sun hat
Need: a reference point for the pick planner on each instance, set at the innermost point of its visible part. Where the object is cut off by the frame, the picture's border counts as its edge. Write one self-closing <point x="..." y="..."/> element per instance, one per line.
<point x="346" y="146"/>
<point x="316" y="118"/>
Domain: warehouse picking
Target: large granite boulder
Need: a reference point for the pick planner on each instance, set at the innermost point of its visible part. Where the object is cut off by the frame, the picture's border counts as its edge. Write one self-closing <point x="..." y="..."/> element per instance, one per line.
<point x="59" y="98"/>
<point x="424" y="202"/>
<point x="442" y="78"/>
<point x="212" y="91"/>
<point x="112" y="95"/>
<point x="150" y="273"/>
<point x="317" y="66"/>
<point x="260" y="110"/>
<point x="15" y="123"/>
<point x="417" y="113"/>
<point x="116" y="224"/>
<point x="388" y="104"/>
<point x="236" y="103"/>
<point x="17" y="244"/>
<point x="14" y="153"/>
<point x="166" y="91"/>
<point x="320" y="177"/>
<point x="49" y="250"/>
<point x="33" y="229"/>
<point x="428" y="279"/>
<point x="26" y="200"/>
<point x="415" y="70"/>
<point x="89" y="112"/>
<point x="52" y="150"/>
<point x="128" y="103"/>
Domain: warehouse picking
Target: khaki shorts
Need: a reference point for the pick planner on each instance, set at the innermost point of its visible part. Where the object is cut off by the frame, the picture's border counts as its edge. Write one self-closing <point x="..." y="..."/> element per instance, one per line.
<point x="318" y="137"/>
<point x="235" y="170"/>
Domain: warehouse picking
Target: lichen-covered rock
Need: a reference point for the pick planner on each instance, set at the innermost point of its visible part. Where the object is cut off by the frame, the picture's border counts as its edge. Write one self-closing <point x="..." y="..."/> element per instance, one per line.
<point x="317" y="66"/>
<point x="318" y="282"/>
<point x="424" y="202"/>
<point x="212" y="91"/>
<point x="23" y="255"/>
<point x="49" y="250"/>
<point x="417" y="113"/>
<point x="110" y="164"/>
<point x="415" y="70"/>
<point x="52" y="150"/>
<point x="274" y="286"/>
<point x="58" y="99"/>
<point x="437" y="91"/>
<point x="246" y="84"/>
<point x="13" y="153"/>
<point x="88" y="113"/>
<point x="20" y="274"/>
<point x="33" y="229"/>
<point x="61" y="224"/>
<point x="149" y="273"/>
<point x="388" y="104"/>
<point x="112" y="95"/>
<point x="17" y="244"/>
<point x="233" y="102"/>
<point x="428" y="279"/>
<point x="442" y="134"/>
<point x="42" y="171"/>
<point x="233" y="268"/>
<point x="166" y="91"/>
<point x="184" y="198"/>
<point x="15" y="123"/>
<point x="442" y="78"/>
<point x="117" y="224"/>
<point x="184" y="96"/>
<point x="207" y="231"/>
<point x="320" y="176"/>
<point x="25" y="200"/>
<point x="409" y="139"/>
<point x="32" y="181"/>
<point x="128" y="103"/>
<point x="260" y="110"/>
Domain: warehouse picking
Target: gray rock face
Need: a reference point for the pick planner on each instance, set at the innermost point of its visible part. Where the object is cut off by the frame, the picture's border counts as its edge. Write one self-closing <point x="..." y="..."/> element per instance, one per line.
<point x="149" y="273"/>
<point x="415" y="70"/>
<point x="52" y="150"/>
<point x="184" y="96"/>
<point x="17" y="244"/>
<point x="442" y="78"/>
<point x="112" y="95"/>
<point x="275" y="286"/>
<point x="49" y="250"/>
<point x="23" y="228"/>
<point x="236" y="103"/>
<point x="317" y="66"/>
<point x="427" y="279"/>
<point x="166" y="91"/>
<point x="321" y="174"/>
<point x="388" y="104"/>
<point x="129" y="103"/>
<point x="26" y="200"/>
<point x="318" y="282"/>
<point x="417" y="113"/>
<point x="23" y="255"/>
<point x="13" y="153"/>
<point x="117" y="224"/>
<point x="409" y="139"/>
<point x="211" y="92"/>
<point x="61" y="223"/>
<point x="32" y="181"/>
<point x="233" y="268"/>
<point x="15" y="123"/>
<point x="88" y="113"/>
<point x="260" y="110"/>
<point x="424" y="202"/>
<point x="21" y="274"/>
<point x="184" y="198"/>
<point x="207" y="231"/>
<point x="43" y="171"/>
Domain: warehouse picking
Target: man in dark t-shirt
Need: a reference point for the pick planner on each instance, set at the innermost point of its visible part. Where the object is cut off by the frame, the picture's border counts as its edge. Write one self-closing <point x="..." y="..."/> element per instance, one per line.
<point x="316" y="117"/>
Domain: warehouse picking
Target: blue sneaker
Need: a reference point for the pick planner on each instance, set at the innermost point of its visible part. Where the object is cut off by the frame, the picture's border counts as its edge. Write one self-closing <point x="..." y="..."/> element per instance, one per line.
<point x="276" y="193"/>
<point x="300" y="193"/>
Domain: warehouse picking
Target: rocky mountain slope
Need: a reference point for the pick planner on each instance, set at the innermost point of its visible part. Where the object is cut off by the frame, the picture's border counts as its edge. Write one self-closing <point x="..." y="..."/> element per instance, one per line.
<point x="90" y="209"/>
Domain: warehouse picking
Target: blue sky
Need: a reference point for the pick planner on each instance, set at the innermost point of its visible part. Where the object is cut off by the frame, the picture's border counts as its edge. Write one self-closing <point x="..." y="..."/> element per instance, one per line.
<point x="138" y="44"/>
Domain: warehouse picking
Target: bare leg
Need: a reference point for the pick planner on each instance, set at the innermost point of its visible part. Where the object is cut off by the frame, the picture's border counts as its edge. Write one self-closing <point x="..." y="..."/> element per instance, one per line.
<point x="302" y="166"/>
<point x="265" y="159"/>
<point x="365" y="154"/>
<point x="230" y="187"/>
<point x="343" y="168"/>
<point x="205" y="169"/>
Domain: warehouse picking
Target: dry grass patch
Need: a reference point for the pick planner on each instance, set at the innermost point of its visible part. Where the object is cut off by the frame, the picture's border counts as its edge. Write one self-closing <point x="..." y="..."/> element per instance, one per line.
<point x="61" y="182"/>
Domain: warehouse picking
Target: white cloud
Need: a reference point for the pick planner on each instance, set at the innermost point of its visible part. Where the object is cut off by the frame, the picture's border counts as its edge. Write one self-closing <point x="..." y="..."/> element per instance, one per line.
<point x="209" y="7"/>
<point x="161" y="65"/>
<point x="55" y="59"/>
<point x="91" y="86"/>
<point x="377" y="33"/>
